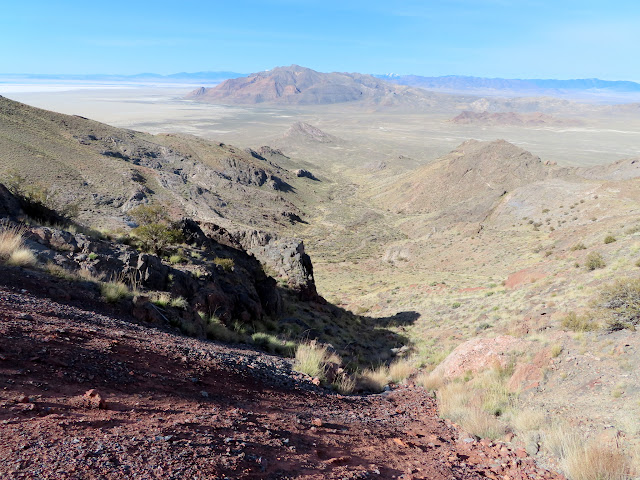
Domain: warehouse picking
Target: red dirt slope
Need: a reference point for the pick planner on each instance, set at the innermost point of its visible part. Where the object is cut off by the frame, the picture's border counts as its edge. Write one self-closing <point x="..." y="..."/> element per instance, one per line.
<point x="179" y="408"/>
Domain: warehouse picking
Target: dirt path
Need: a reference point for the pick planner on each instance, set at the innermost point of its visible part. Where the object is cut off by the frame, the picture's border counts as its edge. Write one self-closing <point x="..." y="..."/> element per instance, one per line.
<point x="178" y="407"/>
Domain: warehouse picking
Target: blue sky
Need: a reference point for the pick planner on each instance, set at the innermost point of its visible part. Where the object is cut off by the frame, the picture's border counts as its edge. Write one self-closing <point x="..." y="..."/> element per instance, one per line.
<point x="494" y="38"/>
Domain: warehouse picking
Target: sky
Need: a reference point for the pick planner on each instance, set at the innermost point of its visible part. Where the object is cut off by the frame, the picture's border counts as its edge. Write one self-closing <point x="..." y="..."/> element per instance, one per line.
<point x="561" y="39"/>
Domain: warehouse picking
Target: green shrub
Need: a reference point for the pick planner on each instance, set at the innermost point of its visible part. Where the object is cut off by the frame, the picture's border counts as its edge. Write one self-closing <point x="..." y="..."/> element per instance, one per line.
<point x="456" y="305"/>
<point x="114" y="291"/>
<point x="609" y="239"/>
<point x="154" y="229"/>
<point x="578" y="246"/>
<point x="273" y="344"/>
<point x="227" y="264"/>
<point x="178" y="302"/>
<point x="594" y="261"/>
<point x="216" y="330"/>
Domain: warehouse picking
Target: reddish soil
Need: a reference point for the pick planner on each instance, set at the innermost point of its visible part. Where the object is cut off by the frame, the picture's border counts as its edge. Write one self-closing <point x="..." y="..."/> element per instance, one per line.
<point x="179" y="408"/>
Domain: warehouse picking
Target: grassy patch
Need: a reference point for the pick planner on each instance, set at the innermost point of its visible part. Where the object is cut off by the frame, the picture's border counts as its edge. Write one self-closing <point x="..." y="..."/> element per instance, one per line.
<point x="113" y="292"/>
<point x="579" y="323"/>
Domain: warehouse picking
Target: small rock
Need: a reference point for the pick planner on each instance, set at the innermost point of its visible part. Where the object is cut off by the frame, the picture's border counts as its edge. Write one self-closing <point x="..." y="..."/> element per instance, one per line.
<point x="316" y="381"/>
<point x="22" y="399"/>
<point x="24" y="316"/>
<point x="316" y="422"/>
<point x="93" y="399"/>
<point x="204" y="394"/>
<point x="521" y="452"/>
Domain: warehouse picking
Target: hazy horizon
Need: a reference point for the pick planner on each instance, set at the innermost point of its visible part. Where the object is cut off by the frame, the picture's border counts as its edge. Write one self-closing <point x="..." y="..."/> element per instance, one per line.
<point x="534" y="39"/>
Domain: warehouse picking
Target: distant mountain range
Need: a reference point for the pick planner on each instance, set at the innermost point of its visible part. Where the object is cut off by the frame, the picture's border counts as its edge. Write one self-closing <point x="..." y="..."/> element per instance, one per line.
<point x="197" y="77"/>
<point x="456" y="83"/>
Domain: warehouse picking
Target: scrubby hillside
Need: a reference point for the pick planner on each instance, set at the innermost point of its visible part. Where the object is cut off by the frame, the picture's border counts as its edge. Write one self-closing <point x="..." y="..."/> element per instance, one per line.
<point x="106" y="171"/>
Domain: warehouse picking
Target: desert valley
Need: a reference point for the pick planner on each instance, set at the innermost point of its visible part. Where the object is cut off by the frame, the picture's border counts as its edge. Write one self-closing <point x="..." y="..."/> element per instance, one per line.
<point x="296" y="274"/>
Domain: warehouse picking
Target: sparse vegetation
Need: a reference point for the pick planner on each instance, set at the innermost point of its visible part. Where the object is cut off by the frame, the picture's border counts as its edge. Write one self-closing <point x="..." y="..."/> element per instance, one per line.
<point x="227" y="264"/>
<point x="154" y="231"/>
<point x="374" y="380"/>
<point x="312" y="358"/>
<point x="579" y="323"/>
<point x="594" y="261"/>
<point x="578" y="246"/>
<point x="609" y="239"/>
<point x="12" y="249"/>
<point x="114" y="291"/>
<point x="273" y="344"/>
<point x="619" y="304"/>
<point x="400" y="369"/>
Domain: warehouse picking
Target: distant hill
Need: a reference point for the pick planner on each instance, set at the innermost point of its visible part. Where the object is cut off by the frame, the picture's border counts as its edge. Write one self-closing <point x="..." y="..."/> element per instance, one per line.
<point x="456" y="83"/>
<point x="295" y="85"/>
<point x="510" y="119"/>
<point x="465" y="184"/>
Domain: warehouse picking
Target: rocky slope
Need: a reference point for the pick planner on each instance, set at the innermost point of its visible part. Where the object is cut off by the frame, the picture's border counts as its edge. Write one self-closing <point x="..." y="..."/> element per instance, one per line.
<point x="91" y="394"/>
<point x="107" y="171"/>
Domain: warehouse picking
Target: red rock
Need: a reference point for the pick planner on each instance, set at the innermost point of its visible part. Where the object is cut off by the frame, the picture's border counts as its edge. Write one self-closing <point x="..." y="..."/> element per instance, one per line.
<point x="93" y="399"/>
<point x="521" y="452"/>
<point x="317" y="422"/>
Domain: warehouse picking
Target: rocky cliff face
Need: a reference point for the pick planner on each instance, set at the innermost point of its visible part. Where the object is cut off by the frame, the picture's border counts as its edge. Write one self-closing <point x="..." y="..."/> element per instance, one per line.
<point x="284" y="257"/>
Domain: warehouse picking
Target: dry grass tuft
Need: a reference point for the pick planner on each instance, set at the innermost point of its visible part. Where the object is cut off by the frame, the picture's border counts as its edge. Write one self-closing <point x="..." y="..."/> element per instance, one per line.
<point x="429" y="381"/>
<point x="597" y="462"/>
<point x="374" y="380"/>
<point x="312" y="358"/>
<point x="400" y="370"/>
<point x="114" y="291"/>
<point x="22" y="257"/>
<point x="344" y="383"/>
<point x="586" y="461"/>
<point x="527" y="420"/>
<point x="12" y="249"/>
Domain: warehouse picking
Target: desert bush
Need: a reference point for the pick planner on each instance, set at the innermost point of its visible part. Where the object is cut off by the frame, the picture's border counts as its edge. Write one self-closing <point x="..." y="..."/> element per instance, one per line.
<point x="227" y="264"/>
<point x="400" y="369"/>
<point x="578" y="246"/>
<point x="154" y="229"/>
<point x="579" y="323"/>
<point x="594" y="261"/>
<point x="374" y="380"/>
<point x="619" y="303"/>
<point x="114" y="291"/>
<point x="609" y="239"/>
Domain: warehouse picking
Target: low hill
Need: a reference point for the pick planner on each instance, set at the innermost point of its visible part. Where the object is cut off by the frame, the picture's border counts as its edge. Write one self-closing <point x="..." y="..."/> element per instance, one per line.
<point x="510" y="119"/>
<point x="465" y="184"/>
